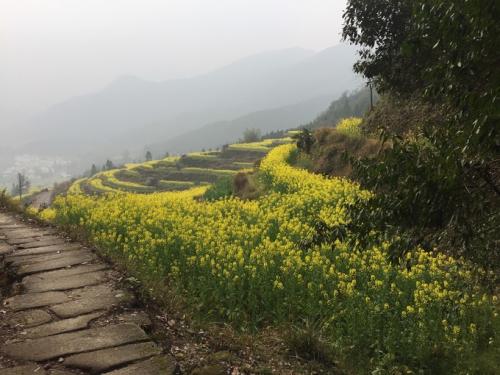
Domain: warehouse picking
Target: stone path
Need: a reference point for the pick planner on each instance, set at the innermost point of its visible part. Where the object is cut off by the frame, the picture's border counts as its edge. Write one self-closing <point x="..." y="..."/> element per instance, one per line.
<point x="65" y="314"/>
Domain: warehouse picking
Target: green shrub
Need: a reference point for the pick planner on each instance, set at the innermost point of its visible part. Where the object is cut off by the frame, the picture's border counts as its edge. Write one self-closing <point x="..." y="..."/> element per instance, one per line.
<point x="222" y="188"/>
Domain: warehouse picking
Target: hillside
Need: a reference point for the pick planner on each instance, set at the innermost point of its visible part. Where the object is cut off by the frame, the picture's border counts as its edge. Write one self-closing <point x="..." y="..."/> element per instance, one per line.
<point x="178" y="173"/>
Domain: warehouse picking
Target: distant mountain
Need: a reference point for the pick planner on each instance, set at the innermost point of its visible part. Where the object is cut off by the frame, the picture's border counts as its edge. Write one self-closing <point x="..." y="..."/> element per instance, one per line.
<point x="131" y="112"/>
<point x="221" y="132"/>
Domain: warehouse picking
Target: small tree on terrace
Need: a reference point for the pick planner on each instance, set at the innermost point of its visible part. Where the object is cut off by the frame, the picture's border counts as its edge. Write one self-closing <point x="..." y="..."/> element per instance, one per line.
<point x="109" y="165"/>
<point x="251" y="135"/>
<point x="93" y="170"/>
<point x="149" y="156"/>
<point x="21" y="186"/>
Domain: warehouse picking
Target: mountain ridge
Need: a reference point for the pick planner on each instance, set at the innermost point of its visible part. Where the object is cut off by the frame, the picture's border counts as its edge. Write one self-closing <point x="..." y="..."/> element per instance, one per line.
<point x="131" y="112"/>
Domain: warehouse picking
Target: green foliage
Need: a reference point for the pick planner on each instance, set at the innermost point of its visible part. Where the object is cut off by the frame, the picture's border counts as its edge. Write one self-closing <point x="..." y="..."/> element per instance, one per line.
<point x="380" y="27"/>
<point x="307" y="341"/>
<point x="442" y="178"/>
<point x="305" y="140"/>
<point x="445" y="50"/>
<point x="108" y="166"/>
<point x="222" y="188"/>
<point x="7" y="203"/>
<point x="426" y="204"/>
<point x="251" y="135"/>
<point x="149" y="156"/>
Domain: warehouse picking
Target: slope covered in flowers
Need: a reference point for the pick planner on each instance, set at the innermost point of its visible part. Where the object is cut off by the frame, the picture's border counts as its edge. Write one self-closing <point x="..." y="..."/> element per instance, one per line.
<point x="175" y="173"/>
<point x="242" y="261"/>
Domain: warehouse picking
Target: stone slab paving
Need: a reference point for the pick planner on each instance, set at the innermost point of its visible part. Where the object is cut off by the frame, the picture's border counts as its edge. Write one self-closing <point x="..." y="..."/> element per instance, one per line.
<point x="60" y="372"/>
<point x="106" y="359"/>
<point x="89" y="299"/>
<point x="32" y="369"/>
<point x="5" y="249"/>
<point x="71" y="271"/>
<point x="61" y="314"/>
<point x="54" y="248"/>
<point x="32" y="300"/>
<point x="16" y="259"/>
<point x="19" y="241"/>
<point x="44" y="241"/>
<point x="46" y="348"/>
<point x="67" y="260"/>
<point x="163" y="365"/>
<point x="66" y="282"/>
<point x="30" y="318"/>
<point x="61" y="326"/>
<point x="13" y="234"/>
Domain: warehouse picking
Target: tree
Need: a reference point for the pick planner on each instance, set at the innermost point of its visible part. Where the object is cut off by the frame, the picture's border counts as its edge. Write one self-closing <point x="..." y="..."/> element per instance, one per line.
<point x="21" y="186"/>
<point x="251" y="135"/>
<point x="443" y="50"/>
<point x="445" y="53"/>
<point x="380" y="27"/>
<point x="109" y="165"/>
<point x="149" y="156"/>
<point x="166" y="155"/>
<point x="305" y="140"/>
<point x="93" y="170"/>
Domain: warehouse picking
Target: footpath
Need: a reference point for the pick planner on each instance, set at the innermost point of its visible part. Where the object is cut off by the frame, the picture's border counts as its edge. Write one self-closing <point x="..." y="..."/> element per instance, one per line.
<point x="62" y="311"/>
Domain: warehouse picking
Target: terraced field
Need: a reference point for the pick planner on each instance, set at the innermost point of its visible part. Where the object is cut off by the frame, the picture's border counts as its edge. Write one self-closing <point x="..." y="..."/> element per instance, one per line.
<point x="176" y="173"/>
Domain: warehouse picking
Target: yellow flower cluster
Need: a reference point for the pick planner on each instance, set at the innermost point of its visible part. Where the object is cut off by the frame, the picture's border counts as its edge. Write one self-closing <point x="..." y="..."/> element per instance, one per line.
<point x="350" y="126"/>
<point x="264" y="145"/>
<point x="243" y="261"/>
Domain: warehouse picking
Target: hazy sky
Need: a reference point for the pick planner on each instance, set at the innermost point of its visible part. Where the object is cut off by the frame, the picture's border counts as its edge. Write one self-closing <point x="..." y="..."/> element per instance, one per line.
<point x="53" y="49"/>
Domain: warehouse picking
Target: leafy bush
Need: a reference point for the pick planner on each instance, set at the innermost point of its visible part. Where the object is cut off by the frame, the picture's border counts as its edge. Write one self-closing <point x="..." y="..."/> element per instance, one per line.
<point x="424" y="194"/>
<point x="305" y="140"/>
<point x="222" y="188"/>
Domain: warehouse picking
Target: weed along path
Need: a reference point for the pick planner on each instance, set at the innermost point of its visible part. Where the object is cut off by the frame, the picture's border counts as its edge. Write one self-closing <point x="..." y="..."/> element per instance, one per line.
<point x="62" y="311"/>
